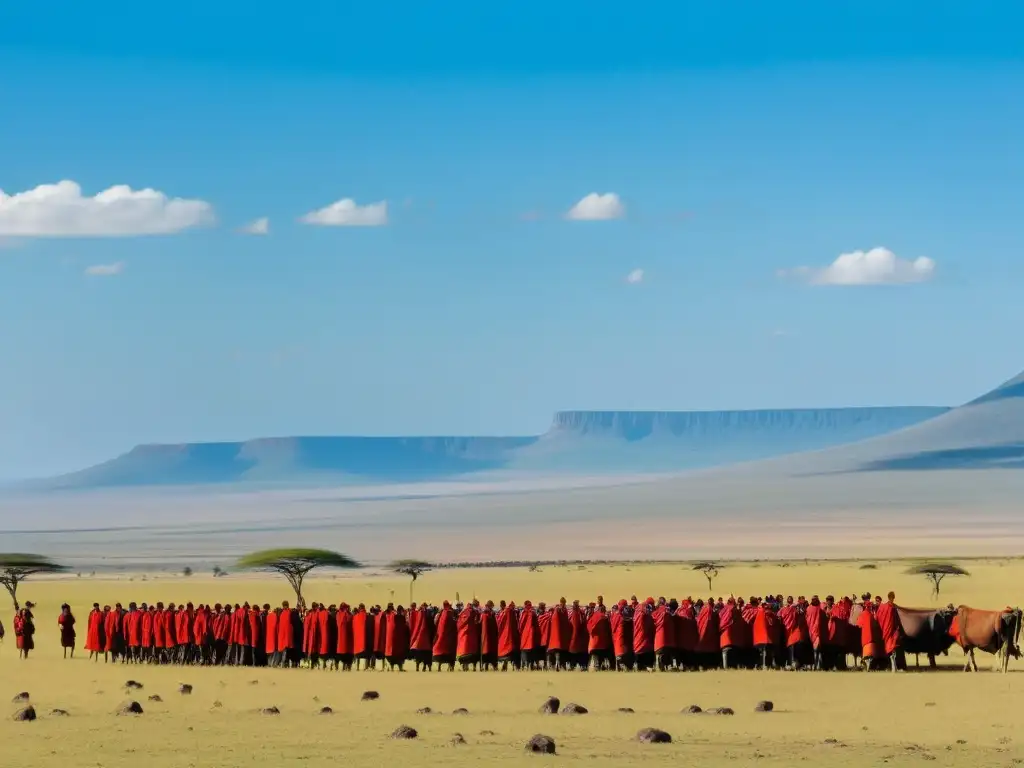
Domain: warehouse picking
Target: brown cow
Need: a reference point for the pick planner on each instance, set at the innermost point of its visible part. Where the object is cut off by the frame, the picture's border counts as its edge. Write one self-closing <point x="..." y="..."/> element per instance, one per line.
<point x="996" y="632"/>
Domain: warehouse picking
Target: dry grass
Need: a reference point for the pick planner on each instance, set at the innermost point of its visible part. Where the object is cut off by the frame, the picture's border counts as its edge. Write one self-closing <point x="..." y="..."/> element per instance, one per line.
<point x="904" y="719"/>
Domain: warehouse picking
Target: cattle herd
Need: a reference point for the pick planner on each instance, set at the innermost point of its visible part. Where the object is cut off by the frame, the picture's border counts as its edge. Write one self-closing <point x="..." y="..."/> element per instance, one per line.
<point x="652" y="634"/>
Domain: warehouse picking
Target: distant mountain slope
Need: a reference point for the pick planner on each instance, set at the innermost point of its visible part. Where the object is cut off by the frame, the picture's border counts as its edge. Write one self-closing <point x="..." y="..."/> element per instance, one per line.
<point x="578" y="441"/>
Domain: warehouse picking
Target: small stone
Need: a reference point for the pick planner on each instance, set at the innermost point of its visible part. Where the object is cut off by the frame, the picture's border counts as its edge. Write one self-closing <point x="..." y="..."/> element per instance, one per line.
<point x="370" y="696"/>
<point x="185" y="689"/>
<point x="721" y="711"/>
<point x="693" y="709"/>
<point x="21" y="698"/>
<point x="404" y="732"/>
<point x="326" y="711"/>
<point x="764" y="706"/>
<point x="653" y="736"/>
<point x="130" y="708"/>
<point x="461" y="711"/>
<point x="626" y="710"/>
<point x="59" y="712"/>
<point x="25" y="714"/>
<point x="254" y="682"/>
<point x="551" y="706"/>
<point x="424" y="711"/>
<point x="133" y="685"/>
<point x="574" y="709"/>
<point x="270" y="711"/>
<point x="486" y="733"/>
<point x="541" y="744"/>
<point x="216" y="705"/>
<point x="457" y="738"/>
<point x="155" y="697"/>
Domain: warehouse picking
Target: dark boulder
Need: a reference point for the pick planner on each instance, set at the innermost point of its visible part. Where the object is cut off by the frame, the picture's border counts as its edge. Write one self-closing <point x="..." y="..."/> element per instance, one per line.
<point x="185" y="689"/>
<point x="326" y="711"/>
<point x="130" y="708"/>
<point x="693" y="709"/>
<point x="764" y="706"/>
<point x="155" y="697"/>
<point x="25" y="714"/>
<point x="21" y="698"/>
<point x="574" y="709"/>
<point x="270" y="711"/>
<point x="551" y="706"/>
<point x="133" y="685"/>
<point x="653" y="736"/>
<point x="404" y="732"/>
<point x="370" y="696"/>
<point x="541" y="744"/>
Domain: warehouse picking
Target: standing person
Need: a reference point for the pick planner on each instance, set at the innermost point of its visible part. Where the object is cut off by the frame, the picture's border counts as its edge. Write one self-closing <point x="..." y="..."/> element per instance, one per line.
<point x="94" y="640"/>
<point x="891" y="629"/>
<point x="66" y="622"/>
<point x="25" y="630"/>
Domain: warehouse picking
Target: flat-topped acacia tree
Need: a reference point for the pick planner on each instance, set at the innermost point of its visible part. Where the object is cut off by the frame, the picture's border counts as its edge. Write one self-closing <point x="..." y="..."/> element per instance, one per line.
<point x="411" y="568"/>
<point x="709" y="569"/>
<point x="15" y="567"/>
<point x="936" y="572"/>
<point x="295" y="565"/>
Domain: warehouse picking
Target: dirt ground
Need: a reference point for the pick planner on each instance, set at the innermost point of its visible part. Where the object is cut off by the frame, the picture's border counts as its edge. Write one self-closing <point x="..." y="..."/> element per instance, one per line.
<point x="845" y="719"/>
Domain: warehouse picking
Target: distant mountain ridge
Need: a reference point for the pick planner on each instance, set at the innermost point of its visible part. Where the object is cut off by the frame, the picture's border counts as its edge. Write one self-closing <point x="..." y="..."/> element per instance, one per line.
<point x="577" y="441"/>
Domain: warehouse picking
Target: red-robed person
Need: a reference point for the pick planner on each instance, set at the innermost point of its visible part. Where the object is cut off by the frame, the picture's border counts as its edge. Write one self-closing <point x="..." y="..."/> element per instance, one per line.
<point x="421" y="637"/>
<point x="201" y="634"/>
<point x="508" y="635"/>
<point x="817" y="629"/>
<point x="111" y="629"/>
<point x="559" y="635"/>
<point x="891" y="629"/>
<point x="643" y="635"/>
<point x="871" y="643"/>
<point x="286" y="634"/>
<point x="256" y="641"/>
<point x="183" y="632"/>
<point x="468" y="647"/>
<point x="396" y="645"/>
<point x="795" y="625"/>
<point x="343" y="649"/>
<point x="764" y="633"/>
<point x="687" y="635"/>
<point x="325" y="629"/>
<point x="488" y="637"/>
<point x="146" y="629"/>
<point x="380" y="637"/>
<point x="529" y="637"/>
<point x="133" y="632"/>
<point x="843" y="637"/>
<point x="272" y="621"/>
<point x="665" y="650"/>
<point x="544" y="622"/>
<point x="708" y="648"/>
<point x="445" y="637"/>
<point x="579" y="638"/>
<point x="159" y="633"/>
<point x="170" y="635"/>
<point x="95" y="641"/>
<point x="66" y="622"/>
<point x="599" y="631"/>
<point x="621" y="622"/>
<point x="730" y="631"/>
<point x="362" y="636"/>
<point x="310" y="642"/>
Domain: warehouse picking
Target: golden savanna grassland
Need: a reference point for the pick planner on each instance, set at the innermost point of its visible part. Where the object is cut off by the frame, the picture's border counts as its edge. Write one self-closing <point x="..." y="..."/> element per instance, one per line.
<point x="944" y="717"/>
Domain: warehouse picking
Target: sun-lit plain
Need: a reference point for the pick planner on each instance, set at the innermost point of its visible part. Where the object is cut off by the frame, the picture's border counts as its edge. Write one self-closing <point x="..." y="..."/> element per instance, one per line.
<point x="844" y="719"/>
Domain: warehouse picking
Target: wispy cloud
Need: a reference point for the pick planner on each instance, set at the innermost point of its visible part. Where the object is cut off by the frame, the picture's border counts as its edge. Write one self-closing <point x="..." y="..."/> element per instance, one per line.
<point x="61" y="210"/>
<point x="260" y="226"/>
<point x="105" y="270"/>
<point x="596" y="207"/>
<point x="347" y="213"/>
<point x="636" y="276"/>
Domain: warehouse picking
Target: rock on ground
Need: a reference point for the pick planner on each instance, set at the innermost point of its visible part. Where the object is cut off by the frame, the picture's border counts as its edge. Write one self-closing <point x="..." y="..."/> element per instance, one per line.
<point x="626" y="710"/>
<point x="20" y="698"/>
<point x="764" y="706"/>
<point x="551" y="706"/>
<point x="370" y="696"/>
<point x="326" y="711"/>
<point x="461" y="711"/>
<point x="59" y="712"/>
<point x="653" y="736"/>
<point x="185" y="689"/>
<point x="424" y="711"/>
<point x="574" y="709"/>
<point x="130" y="708"/>
<point x="134" y="685"/>
<point x="721" y="711"/>
<point x="25" y="714"/>
<point x="155" y="697"/>
<point x="693" y="709"/>
<point x="541" y="744"/>
<point x="457" y="738"/>
<point x="404" y="732"/>
<point x="270" y="711"/>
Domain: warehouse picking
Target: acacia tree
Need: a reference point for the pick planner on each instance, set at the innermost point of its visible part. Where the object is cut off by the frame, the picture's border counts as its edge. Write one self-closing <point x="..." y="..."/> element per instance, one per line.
<point x="709" y="569"/>
<point x="936" y="572"/>
<point x="411" y="568"/>
<point x="295" y="565"/>
<point x="16" y="567"/>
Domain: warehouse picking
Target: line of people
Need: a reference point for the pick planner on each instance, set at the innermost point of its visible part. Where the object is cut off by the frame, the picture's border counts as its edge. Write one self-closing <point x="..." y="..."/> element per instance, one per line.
<point x="630" y="635"/>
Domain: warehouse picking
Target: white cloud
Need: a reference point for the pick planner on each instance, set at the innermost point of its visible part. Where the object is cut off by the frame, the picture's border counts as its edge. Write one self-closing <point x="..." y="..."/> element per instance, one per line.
<point x="595" y="207"/>
<point x="346" y="213"/>
<point x="60" y="210"/>
<point x="105" y="270"/>
<point x="636" y="276"/>
<point x="260" y="226"/>
<point x="878" y="266"/>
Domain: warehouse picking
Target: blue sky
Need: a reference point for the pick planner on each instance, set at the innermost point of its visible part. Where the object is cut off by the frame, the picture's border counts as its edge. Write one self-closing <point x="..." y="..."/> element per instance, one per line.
<point x="742" y="143"/>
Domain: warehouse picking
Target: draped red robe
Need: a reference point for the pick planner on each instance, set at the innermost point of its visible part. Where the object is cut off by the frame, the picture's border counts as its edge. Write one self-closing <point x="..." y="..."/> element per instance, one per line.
<point x="421" y="634"/>
<point x="764" y="626"/>
<point x="508" y="632"/>
<point x="795" y="624"/>
<point x="396" y="644"/>
<point x="469" y="633"/>
<point x="729" y="631"/>
<point x="94" y="631"/>
<point x="343" y="620"/>
<point x="579" y="638"/>
<point x="146" y="624"/>
<point x="133" y="628"/>
<point x="817" y="624"/>
<point x="560" y="632"/>
<point x="529" y="629"/>
<point x="599" y="629"/>
<point x="488" y="633"/>
<point x="664" y="629"/>
<point x="285" y="630"/>
<point x="446" y="634"/>
<point x="544" y="624"/>
<point x="889" y="624"/>
<point x="255" y="627"/>
<point x="707" y="629"/>
<point x="360" y="620"/>
<point x="622" y="634"/>
<point x="643" y="631"/>
<point x="323" y="634"/>
<point x="272" y="624"/>
<point x="687" y="635"/>
<point x="380" y="632"/>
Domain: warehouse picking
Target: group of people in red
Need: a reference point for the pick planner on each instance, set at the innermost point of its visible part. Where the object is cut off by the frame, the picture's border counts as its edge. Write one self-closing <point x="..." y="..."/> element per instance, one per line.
<point x="629" y="635"/>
